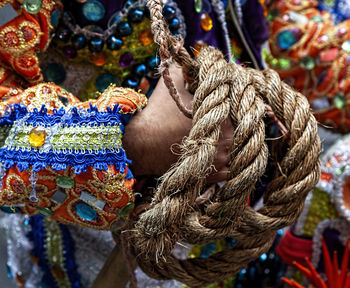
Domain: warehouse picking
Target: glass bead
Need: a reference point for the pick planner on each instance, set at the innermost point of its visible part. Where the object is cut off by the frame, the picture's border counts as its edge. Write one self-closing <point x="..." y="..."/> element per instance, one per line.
<point x="57" y="272"/>
<point x="99" y="59"/>
<point x="37" y="137"/>
<point x="307" y="63"/>
<point x="96" y="44"/>
<point x="124" y="29"/>
<point x="64" y="100"/>
<point x="126" y="59"/>
<point x="146" y="37"/>
<point x="114" y="43"/>
<point x="320" y="103"/>
<point x="339" y="101"/>
<point x="140" y="70"/>
<point x="317" y="19"/>
<point x="64" y="34"/>
<point x="131" y="82"/>
<point x="286" y="39"/>
<point x="144" y="85"/>
<point x="9" y="272"/>
<point x="79" y="41"/>
<point x="152" y="62"/>
<point x="127" y="209"/>
<point x="198" y="47"/>
<point x="93" y="10"/>
<point x="169" y="12"/>
<point x="9" y="210"/>
<point x="70" y="52"/>
<point x="174" y="24"/>
<point x="198" y="4"/>
<point x="341" y="171"/>
<point x="19" y="280"/>
<point x="55" y="16"/>
<point x="85" y="212"/>
<point x="114" y="19"/>
<point x="136" y="15"/>
<point x="55" y="72"/>
<point x="44" y="211"/>
<point x="346" y="46"/>
<point x="32" y="6"/>
<point x="329" y="55"/>
<point x="206" y="22"/>
<point x="284" y="63"/>
<point x="118" y="224"/>
<point x="104" y="80"/>
<point x="65" y="182"/>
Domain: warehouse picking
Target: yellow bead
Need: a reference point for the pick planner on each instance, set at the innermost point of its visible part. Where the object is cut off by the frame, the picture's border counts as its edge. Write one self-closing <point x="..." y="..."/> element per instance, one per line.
<point x="99" y="59"/>
<point x="206" y="22"/>
<point x="146" y="37"/>
<point x="198" y="47"/>
<point x="37" y="137"/>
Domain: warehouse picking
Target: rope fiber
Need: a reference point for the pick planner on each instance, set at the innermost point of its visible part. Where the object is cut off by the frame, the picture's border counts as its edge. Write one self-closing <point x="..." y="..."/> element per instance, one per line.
<point x="222" y="90"/>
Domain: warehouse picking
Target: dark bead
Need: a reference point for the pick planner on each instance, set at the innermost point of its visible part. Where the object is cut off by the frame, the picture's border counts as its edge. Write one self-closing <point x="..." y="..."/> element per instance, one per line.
<point x="169" y="12"/>
<point x="174" y="24"/>
<point x="124" y="29"/>
<point x="96" y="44"/>
<point x="152" y="62"/>
<point x="128" y="3"/>
<point x="147" y="12"/>
<point x="136" y="15"/>
<point x="68" y="17"/>
<point x="79" y="41"/>
<point x="131" y="82"/>
<point x="70" y="52"/>
<point x="140" y="70"/>
<point x="64" y="34"/>
<point x="114" y="43"/>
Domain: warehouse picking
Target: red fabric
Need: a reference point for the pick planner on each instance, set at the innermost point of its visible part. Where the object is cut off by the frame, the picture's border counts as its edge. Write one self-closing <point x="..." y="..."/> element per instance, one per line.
<point x="292" y="248"/>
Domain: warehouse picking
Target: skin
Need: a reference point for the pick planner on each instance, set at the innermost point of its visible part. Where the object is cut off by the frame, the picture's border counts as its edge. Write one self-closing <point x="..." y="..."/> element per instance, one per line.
<point x="152" y="135"/>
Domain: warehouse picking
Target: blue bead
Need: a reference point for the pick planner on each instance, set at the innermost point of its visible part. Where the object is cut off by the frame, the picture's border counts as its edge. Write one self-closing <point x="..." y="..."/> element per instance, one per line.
<point x="114" y="19"/>
<point x="9" y="210"/>
<point x="55" y="16"/>
<point x="124" y="29"/>
<point x="140" y="70"/>
<point x="286" y="39"/>
<point x="131" y="82"/>
<point x="103" y="81"/>
<point x="79" y="41"/>
<point x="152" y="62"/>
<point x="263" y="257"/>
<point x="9" y="272"/>
<point x="96" y="44"/>
<point x="136" y="15"/>
<point x="114" y="43"/>
<point x="64" y="34"/>
<point x="55" y="72"/>
<point x="128" y="3"/>
<point x="208" y="250"/>
<point x="169" y="12"/>
<point x="174" y="24"/>
<point x="85" y="212"/>
<point x="93" y="10"/>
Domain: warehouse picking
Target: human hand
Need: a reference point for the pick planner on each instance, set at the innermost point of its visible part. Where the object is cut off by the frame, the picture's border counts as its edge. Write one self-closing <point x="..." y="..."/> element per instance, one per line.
<point x="152" y="136"/>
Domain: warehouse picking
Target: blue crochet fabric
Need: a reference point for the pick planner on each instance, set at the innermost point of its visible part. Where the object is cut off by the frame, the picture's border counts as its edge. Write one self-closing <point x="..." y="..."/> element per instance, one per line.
<point x="78" y="122"/>
<point x="339" y="9"/>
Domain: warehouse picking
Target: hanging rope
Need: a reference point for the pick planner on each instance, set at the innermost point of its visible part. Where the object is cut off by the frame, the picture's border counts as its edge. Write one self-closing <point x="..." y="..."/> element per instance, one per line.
<point x="222" y="91"/>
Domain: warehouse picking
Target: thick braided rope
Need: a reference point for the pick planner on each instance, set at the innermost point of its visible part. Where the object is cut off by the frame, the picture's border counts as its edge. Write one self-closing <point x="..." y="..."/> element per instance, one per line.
<point x="225" y="90"/>
<point x="228" y="90"/>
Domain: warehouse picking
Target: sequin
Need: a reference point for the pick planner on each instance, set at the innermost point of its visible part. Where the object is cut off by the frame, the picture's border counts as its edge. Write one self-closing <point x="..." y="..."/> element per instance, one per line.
<point x="126" y="59"/>
<point x="55" y="16"/>
<point x="127" y="209"/>
<point x="55" y="72"/>
<point x="346" y="46"/>
<point x="206" y="22"/>
<point x="86" y="212"/>
<point x="307" y="63"/>
<point x="37" y="137"/>
<point x="286" y="39"/>
<point x="104" y="80"/>
<point x="146" y="37"/>
<point x="93" y="10"/>
<point x="339" y="101"/>
<point x="65" y="182"/>
<point x="32" y="6"/>
<point x="44" y="211"/>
